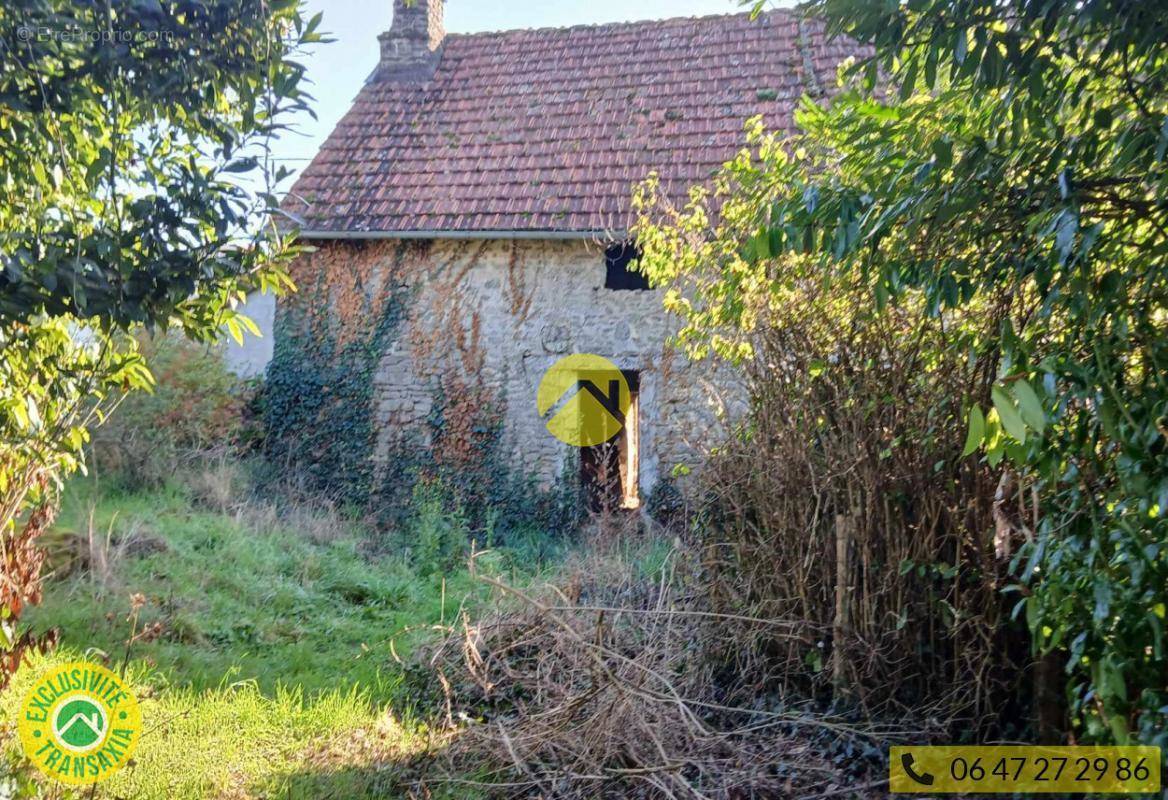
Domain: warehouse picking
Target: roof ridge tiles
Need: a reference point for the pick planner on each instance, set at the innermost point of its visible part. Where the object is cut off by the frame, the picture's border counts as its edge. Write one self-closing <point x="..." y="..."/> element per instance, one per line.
<point x="622" y="24"/>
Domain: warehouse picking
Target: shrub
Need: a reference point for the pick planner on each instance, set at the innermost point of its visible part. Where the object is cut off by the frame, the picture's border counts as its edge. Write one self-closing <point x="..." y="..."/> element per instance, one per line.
<point x="844" y="507"/>
<point x="196" y="406"/>
<point x="843" y="514"/>
<point x="1021" y="162"/>
<point x="439" y="533"/>
<point x="106" y="231"/>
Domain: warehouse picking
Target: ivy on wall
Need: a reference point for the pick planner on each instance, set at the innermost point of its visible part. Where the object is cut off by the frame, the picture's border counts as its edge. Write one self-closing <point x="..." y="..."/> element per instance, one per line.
<point x="355" y="302"/>
<point x="328" y="342"/>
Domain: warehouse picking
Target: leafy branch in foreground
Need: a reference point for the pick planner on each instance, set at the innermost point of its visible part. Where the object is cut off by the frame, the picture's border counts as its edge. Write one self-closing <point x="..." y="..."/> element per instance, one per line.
<point x="136" y="189"/>
<point x="1019" y="163"/>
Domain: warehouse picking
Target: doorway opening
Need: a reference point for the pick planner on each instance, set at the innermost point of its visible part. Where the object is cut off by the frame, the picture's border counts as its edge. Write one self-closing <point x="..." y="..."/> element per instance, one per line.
<point x="608" y="471"/>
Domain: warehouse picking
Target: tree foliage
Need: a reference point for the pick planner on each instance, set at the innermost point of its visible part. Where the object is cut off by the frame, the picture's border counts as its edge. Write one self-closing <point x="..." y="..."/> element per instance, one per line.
<point x="1008" y="155"/>
<point x="135" y="190"/>
<point x="125" y="127"/>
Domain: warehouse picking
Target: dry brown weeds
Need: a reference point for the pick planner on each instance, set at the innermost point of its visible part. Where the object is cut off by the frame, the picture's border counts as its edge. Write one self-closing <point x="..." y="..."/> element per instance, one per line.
<point x="617" y="689"/>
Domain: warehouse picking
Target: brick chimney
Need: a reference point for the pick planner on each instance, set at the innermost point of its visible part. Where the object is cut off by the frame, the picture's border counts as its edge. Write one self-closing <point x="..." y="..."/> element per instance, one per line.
<point x="412" y="47"/>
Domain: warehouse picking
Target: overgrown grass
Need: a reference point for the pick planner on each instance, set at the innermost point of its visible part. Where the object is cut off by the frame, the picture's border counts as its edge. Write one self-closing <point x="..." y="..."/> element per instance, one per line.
<point x="234" y="740"/>
<point x="241" y="598"/>
<point x="277" y="671"/>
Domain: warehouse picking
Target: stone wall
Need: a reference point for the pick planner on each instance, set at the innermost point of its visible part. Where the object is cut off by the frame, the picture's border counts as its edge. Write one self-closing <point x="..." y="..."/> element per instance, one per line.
<point x="507" y="311"/>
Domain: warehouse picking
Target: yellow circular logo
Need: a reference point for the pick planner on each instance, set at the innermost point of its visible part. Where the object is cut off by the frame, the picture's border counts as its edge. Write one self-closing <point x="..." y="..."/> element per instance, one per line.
<point x="79" y="723"/>
<point x="584" y="399"/>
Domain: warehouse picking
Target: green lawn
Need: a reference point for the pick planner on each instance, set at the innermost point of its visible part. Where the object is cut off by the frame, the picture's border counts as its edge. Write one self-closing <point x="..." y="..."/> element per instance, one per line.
<point x="275" y="673"/>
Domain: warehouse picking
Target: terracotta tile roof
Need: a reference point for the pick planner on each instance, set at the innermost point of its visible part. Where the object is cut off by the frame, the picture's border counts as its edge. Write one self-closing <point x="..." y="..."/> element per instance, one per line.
<point x="548" y="130"/>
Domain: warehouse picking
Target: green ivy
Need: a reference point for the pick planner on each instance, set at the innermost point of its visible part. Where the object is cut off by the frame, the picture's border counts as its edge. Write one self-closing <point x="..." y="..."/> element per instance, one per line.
<point x="319" y="397"/>
<point x="319" y="411"/>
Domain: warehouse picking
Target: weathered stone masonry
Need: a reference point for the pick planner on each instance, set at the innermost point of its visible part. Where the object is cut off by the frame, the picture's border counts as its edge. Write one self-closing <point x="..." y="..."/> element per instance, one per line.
<point x="529" y="302"/>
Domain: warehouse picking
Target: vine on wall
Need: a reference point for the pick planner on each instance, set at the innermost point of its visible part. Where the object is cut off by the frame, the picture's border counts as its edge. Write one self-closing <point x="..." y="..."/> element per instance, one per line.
<point x="329" y="338"/>
<point x="518" y="294"/>
<point x="355" y="302"/>
<point x="467" y="453"/>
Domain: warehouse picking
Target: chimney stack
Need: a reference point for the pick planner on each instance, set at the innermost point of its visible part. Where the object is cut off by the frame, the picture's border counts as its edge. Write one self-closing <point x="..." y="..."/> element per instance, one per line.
<point x="412" y="47"/>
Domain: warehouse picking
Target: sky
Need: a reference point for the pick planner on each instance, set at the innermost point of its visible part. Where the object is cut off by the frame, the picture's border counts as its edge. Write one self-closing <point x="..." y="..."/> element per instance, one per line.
<point x="338" y="70"/>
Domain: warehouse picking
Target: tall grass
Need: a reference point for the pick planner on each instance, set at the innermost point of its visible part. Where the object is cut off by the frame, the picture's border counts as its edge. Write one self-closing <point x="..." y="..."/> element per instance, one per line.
<point x="284" y="632"/>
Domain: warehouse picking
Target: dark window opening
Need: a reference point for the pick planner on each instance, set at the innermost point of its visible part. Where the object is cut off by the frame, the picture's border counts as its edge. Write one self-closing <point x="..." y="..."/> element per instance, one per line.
<point x="617" y="260"/>
<point x="608" y="471"/>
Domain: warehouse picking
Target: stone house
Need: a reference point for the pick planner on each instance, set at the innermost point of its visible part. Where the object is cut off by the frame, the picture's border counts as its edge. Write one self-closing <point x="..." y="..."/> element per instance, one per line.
<point x="492" y="175"/>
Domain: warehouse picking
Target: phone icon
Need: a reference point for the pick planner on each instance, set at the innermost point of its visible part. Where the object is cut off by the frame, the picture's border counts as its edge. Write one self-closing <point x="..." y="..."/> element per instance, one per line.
<point x="906" y="761"/>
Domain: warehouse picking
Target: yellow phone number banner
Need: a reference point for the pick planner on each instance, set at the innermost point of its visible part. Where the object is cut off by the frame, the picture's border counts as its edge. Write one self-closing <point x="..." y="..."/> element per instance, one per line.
<point x="1024" y="770"/>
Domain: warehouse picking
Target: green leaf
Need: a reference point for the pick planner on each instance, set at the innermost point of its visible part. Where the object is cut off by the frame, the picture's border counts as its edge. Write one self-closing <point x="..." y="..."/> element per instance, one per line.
<point x="775" y="240"/>
<point x="943" y="152"/>
<point x="235" y="331"/>
<point x="1029" y="405"/>
<point x="976" y="432"/>
<point x="909" y="80"/>
<point x="1157" y="634"/>
<point x="1033" y="614"/>
<point x="1113" y="682"/>
<point x="960" y="47"/>
<point x="20" y="412"/>
<point x="250" y="325"/>
<point x="1008" y="414"/>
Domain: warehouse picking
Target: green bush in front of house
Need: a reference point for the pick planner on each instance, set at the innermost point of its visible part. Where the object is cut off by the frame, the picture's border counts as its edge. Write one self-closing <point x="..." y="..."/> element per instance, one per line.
<point x="1019" y="177"/>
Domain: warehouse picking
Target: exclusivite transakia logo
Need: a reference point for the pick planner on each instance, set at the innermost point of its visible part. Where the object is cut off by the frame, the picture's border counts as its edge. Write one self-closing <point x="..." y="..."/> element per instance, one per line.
<point x="79" y="723"/>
